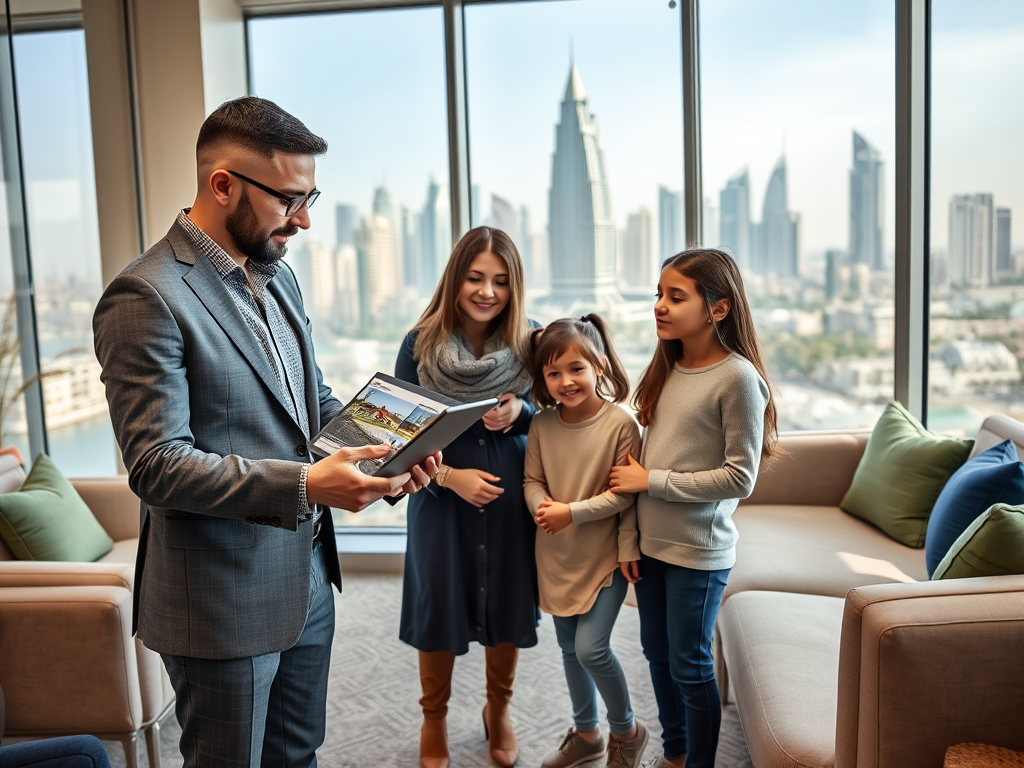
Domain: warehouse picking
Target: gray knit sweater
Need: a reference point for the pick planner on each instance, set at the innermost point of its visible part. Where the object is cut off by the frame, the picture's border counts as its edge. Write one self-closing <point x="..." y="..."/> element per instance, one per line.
<point x="703" y="449"/>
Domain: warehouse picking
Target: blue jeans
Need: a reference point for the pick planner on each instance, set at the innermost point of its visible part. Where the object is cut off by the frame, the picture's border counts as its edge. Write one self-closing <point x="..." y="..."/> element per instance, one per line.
<point x="62" y="752"/>
<point x="590" y="665"/>
<point x="678" y="609"/>
<point x="267" y="710"/>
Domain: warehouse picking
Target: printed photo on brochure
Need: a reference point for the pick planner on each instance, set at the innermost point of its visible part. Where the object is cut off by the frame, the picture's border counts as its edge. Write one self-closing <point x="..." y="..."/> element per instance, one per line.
<point x="381" y="413"/>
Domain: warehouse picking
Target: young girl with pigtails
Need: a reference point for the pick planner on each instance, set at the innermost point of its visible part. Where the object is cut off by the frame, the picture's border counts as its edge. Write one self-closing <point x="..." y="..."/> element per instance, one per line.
<point x="710" y="420"/>
<point x="573" y="444"/>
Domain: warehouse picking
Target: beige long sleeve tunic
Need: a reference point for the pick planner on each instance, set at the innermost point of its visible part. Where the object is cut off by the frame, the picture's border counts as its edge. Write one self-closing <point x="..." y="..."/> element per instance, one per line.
<point x="570" y="463"/>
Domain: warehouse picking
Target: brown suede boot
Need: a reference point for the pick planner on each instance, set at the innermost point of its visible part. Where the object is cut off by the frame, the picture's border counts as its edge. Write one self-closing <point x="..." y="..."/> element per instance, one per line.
<point x="436" y="679"/>
<point x="501" y="672"/>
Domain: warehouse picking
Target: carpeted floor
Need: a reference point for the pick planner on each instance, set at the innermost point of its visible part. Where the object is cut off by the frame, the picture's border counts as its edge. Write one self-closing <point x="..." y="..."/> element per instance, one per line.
<point x="372" y="714"/>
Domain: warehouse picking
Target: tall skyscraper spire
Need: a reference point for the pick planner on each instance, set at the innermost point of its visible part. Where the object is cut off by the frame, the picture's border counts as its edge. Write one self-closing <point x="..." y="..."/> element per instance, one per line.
<point x="581" y="231"/>
<point x="867" y="205"/>
<point x="779" y="228"/>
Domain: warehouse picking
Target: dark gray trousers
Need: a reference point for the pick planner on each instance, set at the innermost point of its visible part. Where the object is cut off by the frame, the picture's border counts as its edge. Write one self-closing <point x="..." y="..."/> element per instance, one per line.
<point x="267" y="710"/>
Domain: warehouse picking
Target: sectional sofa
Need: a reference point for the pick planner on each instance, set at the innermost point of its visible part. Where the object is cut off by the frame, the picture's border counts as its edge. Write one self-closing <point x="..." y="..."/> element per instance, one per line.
<point x="836" y="647"/>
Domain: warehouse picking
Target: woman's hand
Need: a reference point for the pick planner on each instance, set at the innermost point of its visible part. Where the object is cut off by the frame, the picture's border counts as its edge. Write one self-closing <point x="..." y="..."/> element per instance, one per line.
<point x="553" y="516"/>
<point x="631" y="478"/>
<point x="504" y="414"/>
<point x="422" y="474"/>
<point x="474" y="485"/>
<point x="631" y="570"/>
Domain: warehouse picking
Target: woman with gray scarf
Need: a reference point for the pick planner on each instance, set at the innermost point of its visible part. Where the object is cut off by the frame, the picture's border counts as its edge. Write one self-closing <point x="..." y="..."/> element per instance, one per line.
<point x="469" y="567"/>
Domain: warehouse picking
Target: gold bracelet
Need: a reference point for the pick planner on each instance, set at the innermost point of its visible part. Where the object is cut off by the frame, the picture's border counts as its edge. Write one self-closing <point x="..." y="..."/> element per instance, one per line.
<point x="441" y="478"/>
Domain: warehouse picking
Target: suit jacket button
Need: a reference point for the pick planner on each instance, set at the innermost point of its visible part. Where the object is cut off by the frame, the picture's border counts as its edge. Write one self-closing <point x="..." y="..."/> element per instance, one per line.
<point x="301" y="450"/>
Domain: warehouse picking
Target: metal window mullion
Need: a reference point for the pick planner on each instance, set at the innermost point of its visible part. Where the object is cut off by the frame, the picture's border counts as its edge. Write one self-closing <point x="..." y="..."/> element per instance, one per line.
<point x="458" y="117"/>
<point x="14" y="182"/>
<point x="692" y="175"/>
<point x="913" y="148"/>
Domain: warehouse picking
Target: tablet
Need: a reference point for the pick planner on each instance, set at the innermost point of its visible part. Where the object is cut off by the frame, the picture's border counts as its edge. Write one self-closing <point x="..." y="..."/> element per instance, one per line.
<point x="415" y="421"/>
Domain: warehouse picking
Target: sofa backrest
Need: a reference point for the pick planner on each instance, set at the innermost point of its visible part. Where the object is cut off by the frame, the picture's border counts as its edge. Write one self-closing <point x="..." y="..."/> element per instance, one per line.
<point x="815" y="468"/>
<point x="997" y="428"/>
<point x="12" y="475"/>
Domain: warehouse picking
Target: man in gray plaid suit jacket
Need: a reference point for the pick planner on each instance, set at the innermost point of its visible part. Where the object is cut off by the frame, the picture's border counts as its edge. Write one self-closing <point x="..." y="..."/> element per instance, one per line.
<point x="213" y="391"/>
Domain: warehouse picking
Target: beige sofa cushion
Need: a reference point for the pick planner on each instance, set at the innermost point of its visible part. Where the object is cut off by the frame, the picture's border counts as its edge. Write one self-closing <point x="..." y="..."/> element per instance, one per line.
<point x="815" y="550"/>
<point x="124" y="551"/>
<point x="782" y="651"/>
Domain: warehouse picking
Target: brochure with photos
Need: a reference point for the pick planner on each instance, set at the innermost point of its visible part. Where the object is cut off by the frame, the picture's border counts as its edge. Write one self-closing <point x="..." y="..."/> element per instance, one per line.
<point x="414" y="421"/>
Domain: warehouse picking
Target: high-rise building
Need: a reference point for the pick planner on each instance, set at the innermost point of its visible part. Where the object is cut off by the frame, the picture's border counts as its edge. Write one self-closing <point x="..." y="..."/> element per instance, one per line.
<point x="524" y="242"/>
<point x="867" y="205"/>
<point x="383" y="206"/>
<point x="581" y="229"/>
<point x="346" y="219"/>
<point x="671" y="226"/>
<point x="709" y="224"/>
<point x="378" y="266"/>
<point x="322" y="279"/>
<point x="636" y="267"/>
<point x="1003" y="249"/>
<point x="835" y="284"/>
<point x="734" y="219"/>
<point x="345" y="314"/>
<point x="503" y="216"/>
<point x="971" y="235"/>
<point x="778" y="251"/>
<point x="410" y="248"/>
<point x="435" y="238"/>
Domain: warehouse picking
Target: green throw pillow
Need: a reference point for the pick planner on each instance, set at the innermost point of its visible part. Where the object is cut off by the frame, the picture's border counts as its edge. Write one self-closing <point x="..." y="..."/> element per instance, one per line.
<point x="901" y="475"/>
<point x="47" y="520"/>
<point x="993" y="545"/>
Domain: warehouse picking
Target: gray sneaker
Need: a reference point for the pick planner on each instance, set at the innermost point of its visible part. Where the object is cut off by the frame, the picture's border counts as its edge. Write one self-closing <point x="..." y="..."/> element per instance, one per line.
<point x="627" y="754"/>
<point x="575" y="750"/>
<point x="657" y="762"/>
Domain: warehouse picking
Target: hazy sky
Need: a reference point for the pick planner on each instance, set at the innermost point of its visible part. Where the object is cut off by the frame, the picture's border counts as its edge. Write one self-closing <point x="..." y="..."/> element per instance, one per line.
<point x="794" y="75"/>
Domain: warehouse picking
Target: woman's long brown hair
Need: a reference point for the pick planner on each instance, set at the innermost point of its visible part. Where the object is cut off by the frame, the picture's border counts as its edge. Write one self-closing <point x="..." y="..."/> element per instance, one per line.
<point x="443" y="316"/>
<point x="717" y="277"/>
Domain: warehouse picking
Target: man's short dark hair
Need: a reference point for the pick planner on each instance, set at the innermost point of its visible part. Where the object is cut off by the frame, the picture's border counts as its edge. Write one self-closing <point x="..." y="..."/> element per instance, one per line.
<point x="260" y="126"/>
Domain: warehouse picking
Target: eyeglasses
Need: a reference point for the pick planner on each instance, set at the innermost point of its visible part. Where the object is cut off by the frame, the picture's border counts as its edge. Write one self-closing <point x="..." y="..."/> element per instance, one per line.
<point x="292" y="204"/>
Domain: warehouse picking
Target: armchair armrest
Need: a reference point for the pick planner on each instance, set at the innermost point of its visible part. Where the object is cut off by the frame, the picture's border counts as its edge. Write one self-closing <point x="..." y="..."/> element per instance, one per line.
<point x="113" y="503"/>
<point x="815" y="469"/>
<point x="69" y="660"/>
<point x="39" y="573"/>
<point x="927" y="665"/>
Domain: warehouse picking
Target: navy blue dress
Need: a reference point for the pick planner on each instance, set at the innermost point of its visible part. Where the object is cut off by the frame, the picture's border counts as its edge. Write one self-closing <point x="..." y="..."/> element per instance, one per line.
<point x="469" y="571"/>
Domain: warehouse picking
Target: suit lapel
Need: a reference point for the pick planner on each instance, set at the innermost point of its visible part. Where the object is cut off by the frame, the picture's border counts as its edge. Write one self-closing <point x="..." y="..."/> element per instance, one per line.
<point x="206" y="283"/>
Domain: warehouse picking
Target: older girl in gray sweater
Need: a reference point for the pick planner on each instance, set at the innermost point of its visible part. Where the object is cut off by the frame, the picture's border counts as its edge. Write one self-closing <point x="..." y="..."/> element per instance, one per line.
<point x="709" y="417"/>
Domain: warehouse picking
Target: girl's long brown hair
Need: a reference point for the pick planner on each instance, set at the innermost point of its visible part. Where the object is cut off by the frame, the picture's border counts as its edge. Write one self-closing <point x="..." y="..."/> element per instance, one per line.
<point x="589" y="335"/>
<point x="443" y="316"/>
<point x="717" y="277"/>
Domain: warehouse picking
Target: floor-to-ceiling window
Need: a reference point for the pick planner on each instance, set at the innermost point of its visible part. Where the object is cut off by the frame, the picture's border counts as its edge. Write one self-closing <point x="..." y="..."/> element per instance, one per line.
<point x="60" y="280"/>
<point x="576" y="151"/>
<point x="798" y="144"/>
<point x="977" y="213"/>
<point x="373" y="85"/>
<point x="64" y="247"/>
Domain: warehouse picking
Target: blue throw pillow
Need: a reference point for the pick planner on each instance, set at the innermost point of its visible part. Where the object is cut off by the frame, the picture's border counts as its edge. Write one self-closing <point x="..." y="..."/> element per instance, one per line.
<point x="992" y="477"/>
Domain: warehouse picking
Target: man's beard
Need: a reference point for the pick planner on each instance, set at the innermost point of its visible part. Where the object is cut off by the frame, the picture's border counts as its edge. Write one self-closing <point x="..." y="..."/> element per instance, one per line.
<point x="244" y="230"/>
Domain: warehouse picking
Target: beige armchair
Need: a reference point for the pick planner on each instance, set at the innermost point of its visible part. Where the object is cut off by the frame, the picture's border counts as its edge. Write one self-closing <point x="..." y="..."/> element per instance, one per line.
<point x="68" y="661"/>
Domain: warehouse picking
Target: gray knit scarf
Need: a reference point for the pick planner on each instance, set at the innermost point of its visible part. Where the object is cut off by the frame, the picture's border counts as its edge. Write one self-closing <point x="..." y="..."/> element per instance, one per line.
<point x="458" y="373"/>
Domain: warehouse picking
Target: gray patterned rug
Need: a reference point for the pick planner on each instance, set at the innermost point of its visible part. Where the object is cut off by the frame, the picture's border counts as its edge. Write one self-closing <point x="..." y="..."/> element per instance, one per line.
<point x="372" y="714"/>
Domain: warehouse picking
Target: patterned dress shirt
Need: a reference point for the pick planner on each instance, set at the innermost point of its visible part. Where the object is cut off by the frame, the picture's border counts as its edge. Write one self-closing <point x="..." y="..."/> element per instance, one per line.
<point x="278" y="339"/>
